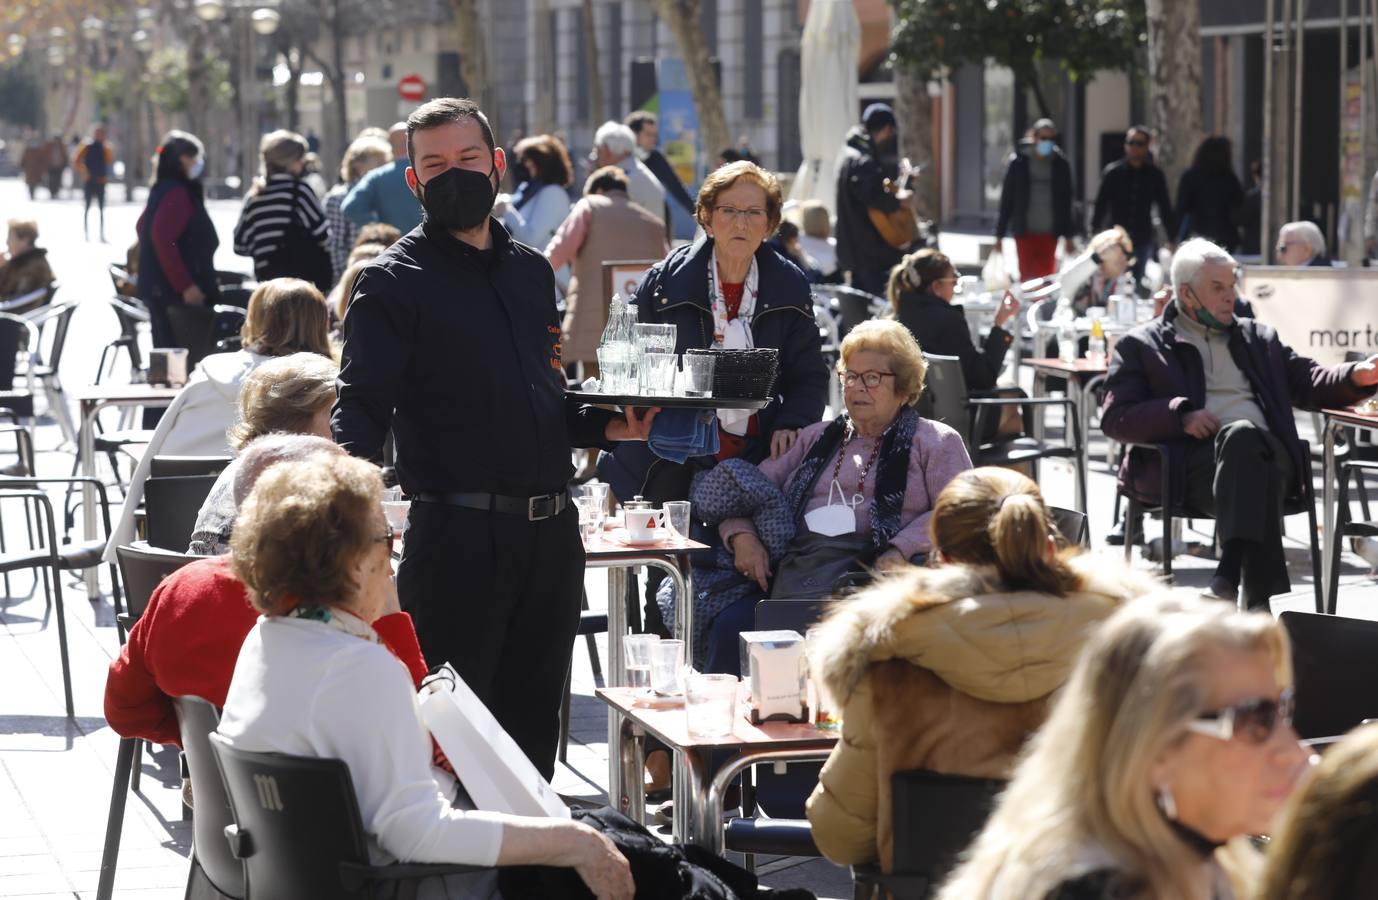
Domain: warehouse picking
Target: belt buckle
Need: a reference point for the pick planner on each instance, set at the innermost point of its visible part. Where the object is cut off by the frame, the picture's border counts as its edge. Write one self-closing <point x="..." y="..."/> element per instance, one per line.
<point x="531" y="502"/>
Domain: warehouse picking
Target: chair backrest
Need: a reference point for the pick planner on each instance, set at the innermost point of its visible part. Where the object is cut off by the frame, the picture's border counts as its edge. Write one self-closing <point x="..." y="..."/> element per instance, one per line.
<point x="175" y="466"/>
<point x="196" y="719"/>
<point x="17" y="332"/>
<point x="945" y="395"/>
<point x="171" y="505"/>
<point x="853" y="305"/>
<point x="1074" y="526"/>
<point x="935" y="818"/>
<point x="1335" y="671"/>
<point x="61" y="318"/>
<point x="142" y="569"/>
<point x="296" y="819"/>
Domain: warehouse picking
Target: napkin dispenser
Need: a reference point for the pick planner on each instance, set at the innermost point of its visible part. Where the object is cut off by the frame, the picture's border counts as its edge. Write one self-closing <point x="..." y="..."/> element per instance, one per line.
<point x="167" y="365"/>
<point x="773" y="666"/>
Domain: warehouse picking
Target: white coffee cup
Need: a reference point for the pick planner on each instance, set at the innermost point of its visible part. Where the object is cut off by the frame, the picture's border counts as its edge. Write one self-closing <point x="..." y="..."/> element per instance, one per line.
<point x="644" y="526"/>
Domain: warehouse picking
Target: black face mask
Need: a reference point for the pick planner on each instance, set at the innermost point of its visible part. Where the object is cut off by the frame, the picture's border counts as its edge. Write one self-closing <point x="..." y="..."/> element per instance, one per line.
<point x="458" y="198"/>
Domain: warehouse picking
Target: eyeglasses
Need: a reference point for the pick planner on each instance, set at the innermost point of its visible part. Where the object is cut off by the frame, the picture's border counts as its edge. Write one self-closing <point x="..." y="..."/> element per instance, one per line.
<point x="755" y="215"/>
<point x="869" y="379"/>
<point x="388" y="537"/>
<point x="1136" y="143"/>
<point x="1254" y="721"/>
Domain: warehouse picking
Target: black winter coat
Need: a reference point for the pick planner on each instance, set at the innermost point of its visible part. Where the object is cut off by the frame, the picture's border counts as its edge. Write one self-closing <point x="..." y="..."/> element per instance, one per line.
<point x="1127" y="196"/>
<point x="861" y="187"/>
<point x="1014" y="196"/>
<point x="941" y="328"/>
<point x="675" y="292"/>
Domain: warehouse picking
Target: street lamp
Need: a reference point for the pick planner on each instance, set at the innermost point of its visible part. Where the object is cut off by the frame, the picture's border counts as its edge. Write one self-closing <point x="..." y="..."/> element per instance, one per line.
<point x="255" y="17"/>
<point x="15" y="42"/>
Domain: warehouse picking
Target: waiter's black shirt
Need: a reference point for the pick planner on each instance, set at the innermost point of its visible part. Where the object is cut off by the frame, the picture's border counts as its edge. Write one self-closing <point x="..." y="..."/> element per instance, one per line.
<point x="458" y="351"/>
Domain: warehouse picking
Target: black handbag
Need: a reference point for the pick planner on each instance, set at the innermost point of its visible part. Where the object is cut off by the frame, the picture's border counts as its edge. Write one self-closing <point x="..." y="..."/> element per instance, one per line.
<point x="813" y="563"/>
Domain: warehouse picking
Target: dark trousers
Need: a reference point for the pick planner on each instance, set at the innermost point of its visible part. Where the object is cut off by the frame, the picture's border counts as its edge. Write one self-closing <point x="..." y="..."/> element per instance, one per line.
<point x="1241" y="478"/>
<point x="94" y="192"/>
<point x="497" y="597"/>
<point x="1145" y="248"/>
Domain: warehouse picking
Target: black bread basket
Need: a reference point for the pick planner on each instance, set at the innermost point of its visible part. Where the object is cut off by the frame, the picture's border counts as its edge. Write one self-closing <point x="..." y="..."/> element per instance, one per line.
<point x="743" y="374"/>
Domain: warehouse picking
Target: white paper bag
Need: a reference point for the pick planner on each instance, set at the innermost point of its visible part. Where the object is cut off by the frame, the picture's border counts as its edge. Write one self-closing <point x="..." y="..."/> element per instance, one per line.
<point x="994" y="273"/>
<point x="494" y="771"/>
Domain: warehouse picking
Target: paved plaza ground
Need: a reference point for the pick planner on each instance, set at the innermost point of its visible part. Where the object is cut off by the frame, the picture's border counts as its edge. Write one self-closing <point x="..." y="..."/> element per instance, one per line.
<point x="56" y="773"/>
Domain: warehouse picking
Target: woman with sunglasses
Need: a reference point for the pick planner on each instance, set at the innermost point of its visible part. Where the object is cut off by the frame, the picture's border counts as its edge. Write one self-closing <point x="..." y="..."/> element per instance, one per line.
<point x="1171" y="744"/>
<point x="314" y="679"/>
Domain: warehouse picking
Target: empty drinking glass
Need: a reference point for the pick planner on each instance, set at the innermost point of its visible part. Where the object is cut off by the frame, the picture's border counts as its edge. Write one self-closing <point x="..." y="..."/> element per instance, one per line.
<point x="590" y="517"/>
<point x="697" y="378"/>
<point x="649" y="337"/>
<point x="710" y="705"/>
<point x="657" y="375"/>
<point x="667" y="663"/>
<point x="636" y="652"/>
<point x="677" y="518"/>
<point x="612" y="368"/>
<point x="599" y="491"/>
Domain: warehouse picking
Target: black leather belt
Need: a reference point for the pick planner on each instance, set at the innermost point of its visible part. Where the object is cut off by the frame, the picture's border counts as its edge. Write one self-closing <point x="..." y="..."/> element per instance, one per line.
<point x="546" y="506"/>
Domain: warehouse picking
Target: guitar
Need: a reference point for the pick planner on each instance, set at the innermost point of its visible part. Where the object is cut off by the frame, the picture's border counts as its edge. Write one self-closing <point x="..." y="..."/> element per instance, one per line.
<point x="897" y="228"/>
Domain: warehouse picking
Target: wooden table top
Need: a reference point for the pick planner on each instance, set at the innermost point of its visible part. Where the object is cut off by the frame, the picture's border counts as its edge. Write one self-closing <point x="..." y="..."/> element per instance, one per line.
<point x="1082" y="366"/>
<point x="614" y="543"/>
<point x="97" y="393"/>
<point x="1352" y="417"/>
<point x="668" y="725"/>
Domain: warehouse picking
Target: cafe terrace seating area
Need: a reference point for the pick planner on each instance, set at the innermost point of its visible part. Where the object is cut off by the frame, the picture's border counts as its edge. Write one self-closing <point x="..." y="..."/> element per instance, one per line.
<point x="70" y="435"/>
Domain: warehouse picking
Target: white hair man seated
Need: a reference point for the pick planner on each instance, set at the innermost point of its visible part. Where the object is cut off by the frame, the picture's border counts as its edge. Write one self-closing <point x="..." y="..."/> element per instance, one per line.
<point x="1301" y="244"/>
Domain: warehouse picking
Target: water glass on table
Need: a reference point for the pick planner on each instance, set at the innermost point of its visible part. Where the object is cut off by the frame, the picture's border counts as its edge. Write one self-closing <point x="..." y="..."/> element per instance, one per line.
<point x="710" y="705"/>
<point x="667" y="668"/>
<point x="677" y="519"/>
<point x="599" y="491"/>
<point x="636" y="654"/>
<point x="396" y="509"/>
<point x="696" y="378"/>
<point x="657" y="374"/>
<point x="652" y="338"/>
<point x="590" y="517"/>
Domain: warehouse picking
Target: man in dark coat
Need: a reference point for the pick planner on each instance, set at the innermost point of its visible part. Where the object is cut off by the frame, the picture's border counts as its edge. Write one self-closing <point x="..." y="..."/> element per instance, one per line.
<point x="1218" y="391"/>
<point x="1129" y="189"/>
<point x="1036" y="202"/>
<point x="646" y="127"/>
<point x="868" y="159"/>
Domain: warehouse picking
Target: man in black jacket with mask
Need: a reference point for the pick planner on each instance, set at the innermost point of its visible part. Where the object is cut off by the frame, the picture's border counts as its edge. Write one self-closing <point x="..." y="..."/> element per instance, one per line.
<point x="452" y="342"/>
<point x="868" y="159"/>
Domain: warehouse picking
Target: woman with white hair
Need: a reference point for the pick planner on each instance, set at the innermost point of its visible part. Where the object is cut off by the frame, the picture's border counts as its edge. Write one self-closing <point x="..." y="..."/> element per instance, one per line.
<point x="1171" y="744"/>
<point x="282" y="226"/>
<point x="614" y="144"/>
<point x="1301" y="244"/>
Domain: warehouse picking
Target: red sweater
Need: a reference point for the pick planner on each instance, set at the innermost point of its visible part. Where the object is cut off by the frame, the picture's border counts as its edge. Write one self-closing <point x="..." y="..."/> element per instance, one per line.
<point x="186" y="644"/>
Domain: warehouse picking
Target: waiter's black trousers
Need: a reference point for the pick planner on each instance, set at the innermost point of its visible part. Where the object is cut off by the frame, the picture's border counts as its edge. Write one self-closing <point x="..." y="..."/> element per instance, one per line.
<point x="497" y="597"/>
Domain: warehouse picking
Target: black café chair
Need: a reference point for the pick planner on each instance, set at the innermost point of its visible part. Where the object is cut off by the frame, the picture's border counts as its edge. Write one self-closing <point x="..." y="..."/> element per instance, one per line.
<point x="213" y="866"/>
<point x="298" y="832"/>
<point x="171" y="504"/>
<point x="947" y="400"/>
<point x="1334" y="671"/>
<point x="142" y="569"/>
<point x="1293" y="506"/>
<point x="935" y="818"/>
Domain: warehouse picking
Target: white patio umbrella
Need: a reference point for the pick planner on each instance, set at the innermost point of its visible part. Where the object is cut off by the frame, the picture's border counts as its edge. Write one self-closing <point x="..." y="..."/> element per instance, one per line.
<point x="829" y="56"/>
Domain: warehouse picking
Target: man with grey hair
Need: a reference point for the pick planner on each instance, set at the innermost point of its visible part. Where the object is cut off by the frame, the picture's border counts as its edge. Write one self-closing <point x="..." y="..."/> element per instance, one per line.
<point x="614" y="144"/>
<point x="1217" y="391"/>
<point x="383" y="194"/>
<point x="215" y="521"/>
<point x="1301" y="244"/>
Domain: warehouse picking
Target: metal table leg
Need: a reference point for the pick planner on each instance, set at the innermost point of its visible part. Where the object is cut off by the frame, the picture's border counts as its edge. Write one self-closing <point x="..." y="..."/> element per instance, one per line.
<point x="615" y="676"/>
<point x="86" y="453"/>
<point x="1328" y="492"/>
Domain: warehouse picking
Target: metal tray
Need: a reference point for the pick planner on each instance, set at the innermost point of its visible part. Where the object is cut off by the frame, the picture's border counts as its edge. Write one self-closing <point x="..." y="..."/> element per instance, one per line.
<point x="665" y="402"/>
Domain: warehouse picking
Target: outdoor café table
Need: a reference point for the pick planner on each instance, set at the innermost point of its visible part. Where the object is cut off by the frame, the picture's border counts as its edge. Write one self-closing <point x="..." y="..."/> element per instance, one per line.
<point x="612" y="550"/>
<point x="1082" y="379"/>
<point x="1336" y="421"/>
<point x="750" y="744"/>
<point x="91" y="400"/>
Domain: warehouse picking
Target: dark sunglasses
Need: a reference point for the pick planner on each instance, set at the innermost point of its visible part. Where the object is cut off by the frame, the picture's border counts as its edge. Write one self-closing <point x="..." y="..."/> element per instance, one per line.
<point x="1253" y="721"/>
<point x="1136" y="143"/>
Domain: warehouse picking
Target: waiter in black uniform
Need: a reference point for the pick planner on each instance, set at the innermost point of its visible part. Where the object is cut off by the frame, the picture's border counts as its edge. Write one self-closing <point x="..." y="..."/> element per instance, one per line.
<point x="453" y="342"/>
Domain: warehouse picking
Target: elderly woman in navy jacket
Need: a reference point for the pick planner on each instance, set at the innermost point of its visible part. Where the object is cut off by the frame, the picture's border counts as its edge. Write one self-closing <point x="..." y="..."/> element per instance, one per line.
<point x="730" y="289"/>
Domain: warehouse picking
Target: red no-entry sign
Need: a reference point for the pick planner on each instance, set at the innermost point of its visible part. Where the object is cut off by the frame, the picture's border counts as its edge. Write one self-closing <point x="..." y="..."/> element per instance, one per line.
<point x="412" y="87"/>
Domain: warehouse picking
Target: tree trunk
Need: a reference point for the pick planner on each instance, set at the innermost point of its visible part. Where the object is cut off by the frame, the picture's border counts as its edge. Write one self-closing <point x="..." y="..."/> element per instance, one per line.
<point x="1174" y="77"/>
<point x="293" y="93"/>
<point x="596" y="112"/>
<point x="473" y="57"/>
<point x="543" y="119"/>
<point x="337" y="122"/>
<point x="914" y="113"/>
<point x="683" y="18"/>
<point x="198" y="83"/>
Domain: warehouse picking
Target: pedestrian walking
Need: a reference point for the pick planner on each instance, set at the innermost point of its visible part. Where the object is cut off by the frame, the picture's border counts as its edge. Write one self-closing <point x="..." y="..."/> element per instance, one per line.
<point x="1130" y="189"/>
<point x="646" y="127"/>
<point x="33" y="162"/>
<point x="868" y="160"/>
<point x="1209" y="196"/>
<point x="364" y="155"/>
<point x="1036" y="202"/>
<point x="177" y="240"/>
<point x="383" y="195"/>
<point x="93" y="162"/>
<point x="282" y="225"/>
<point x="452" y="345"/>
<point x="57" y="164"/>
